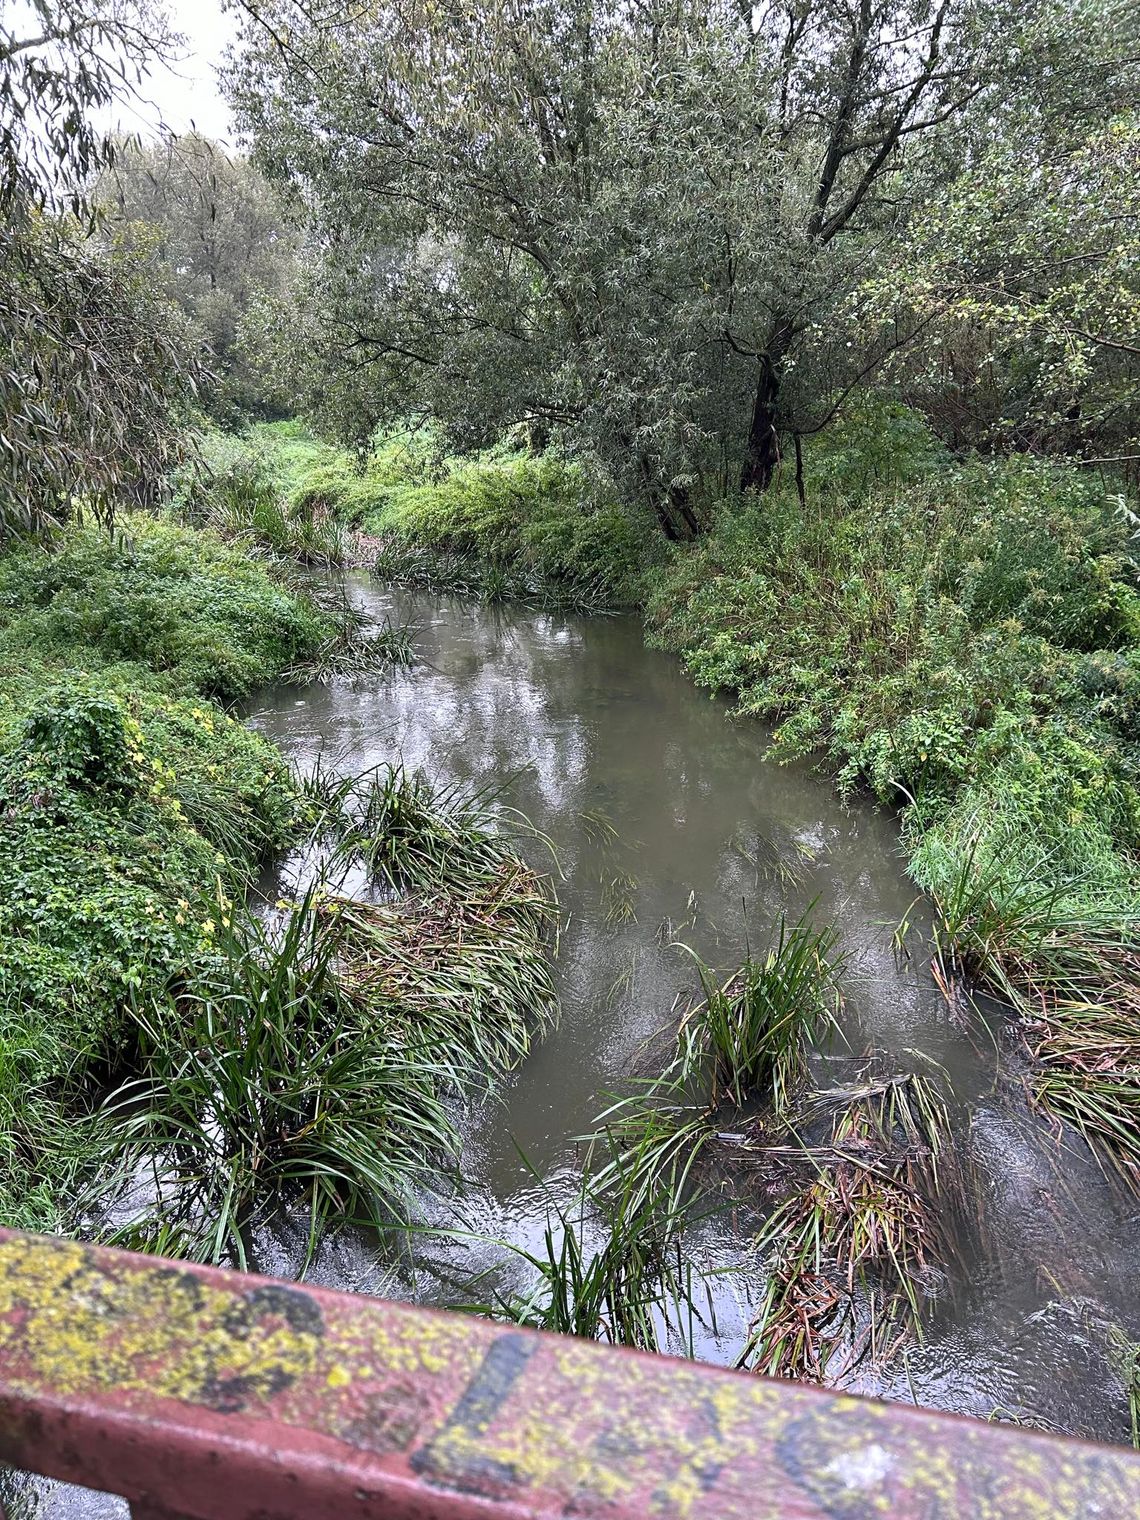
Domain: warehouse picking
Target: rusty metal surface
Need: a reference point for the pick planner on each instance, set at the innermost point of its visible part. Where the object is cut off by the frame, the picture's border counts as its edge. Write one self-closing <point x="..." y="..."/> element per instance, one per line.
<point x="223" y="1397"/>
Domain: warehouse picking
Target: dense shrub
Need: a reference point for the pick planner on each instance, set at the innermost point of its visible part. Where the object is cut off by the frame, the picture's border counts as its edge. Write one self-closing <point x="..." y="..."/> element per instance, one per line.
<point x="503" y="523"/>
<point x="176" y="601"/>
<point x="239" y="487"/>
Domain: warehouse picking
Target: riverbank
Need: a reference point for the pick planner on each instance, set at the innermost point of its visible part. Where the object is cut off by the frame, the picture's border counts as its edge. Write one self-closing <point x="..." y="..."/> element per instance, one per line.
<point x="963" y="643"/>
<point x="145" y="1008"/>
<point x="131" y="802"/>
<point x="961" y="639"/>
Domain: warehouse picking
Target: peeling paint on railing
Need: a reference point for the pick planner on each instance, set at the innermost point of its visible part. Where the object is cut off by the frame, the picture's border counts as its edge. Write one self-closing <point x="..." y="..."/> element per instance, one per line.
<point x="219" y="1396"/>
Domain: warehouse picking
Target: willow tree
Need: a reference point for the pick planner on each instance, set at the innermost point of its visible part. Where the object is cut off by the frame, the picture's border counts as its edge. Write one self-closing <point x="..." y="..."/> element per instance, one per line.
<point x="92" y="359"/>
<point x="640" y="225"/>
<point x="1028" y="273"/>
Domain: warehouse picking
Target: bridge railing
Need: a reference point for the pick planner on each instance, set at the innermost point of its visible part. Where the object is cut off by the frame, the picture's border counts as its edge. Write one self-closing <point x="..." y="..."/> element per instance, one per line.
<point x="220" y="1396"/>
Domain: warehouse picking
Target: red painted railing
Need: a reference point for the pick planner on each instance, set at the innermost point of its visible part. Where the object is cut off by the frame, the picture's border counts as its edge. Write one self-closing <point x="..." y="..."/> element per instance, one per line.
<point x="209" y="1394"/>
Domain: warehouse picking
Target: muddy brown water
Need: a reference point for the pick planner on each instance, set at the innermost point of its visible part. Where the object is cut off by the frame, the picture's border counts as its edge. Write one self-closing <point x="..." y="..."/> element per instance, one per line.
<point x="578" y="722"/>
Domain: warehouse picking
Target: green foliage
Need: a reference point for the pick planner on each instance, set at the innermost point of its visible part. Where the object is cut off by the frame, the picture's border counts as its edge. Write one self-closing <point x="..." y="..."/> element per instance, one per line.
<point x="125" y="798"/>
<point x="511" y="526"/>
<point x="178" y="602"/>
<point x="504" y="524"/>
<point x="233" y="486"/>
<point x="1026" y="272"/>
<point x="918" y="636"/>
<point x="666" y="236"/>
<point x="261" y="1080"/>
<point x="96" y="375"/>
<point x="964" y="644"/>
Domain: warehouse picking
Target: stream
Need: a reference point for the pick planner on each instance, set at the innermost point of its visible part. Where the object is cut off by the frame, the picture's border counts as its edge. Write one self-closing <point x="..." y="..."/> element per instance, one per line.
<point x="669" y="826"/>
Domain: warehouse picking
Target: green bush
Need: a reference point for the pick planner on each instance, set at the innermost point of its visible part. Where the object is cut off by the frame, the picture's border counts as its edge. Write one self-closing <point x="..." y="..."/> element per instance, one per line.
<point x="912" y="635"/>
<point x="236" y="486"/>
<point x="528" y="518"/>
<point x="176" y="601"/>
<point x="504" y="524"/>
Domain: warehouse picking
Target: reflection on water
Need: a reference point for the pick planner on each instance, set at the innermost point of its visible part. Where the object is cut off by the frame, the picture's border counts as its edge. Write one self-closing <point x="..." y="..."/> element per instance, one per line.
<point x="667" y="824"/>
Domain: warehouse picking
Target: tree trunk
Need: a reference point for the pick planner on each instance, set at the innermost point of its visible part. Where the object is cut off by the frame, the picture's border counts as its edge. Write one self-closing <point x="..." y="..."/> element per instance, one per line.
<point x="665" y="520"/>
<point x="669" y="505"/>
<point x="762" y="453"/>
<point x="679" y="500"/>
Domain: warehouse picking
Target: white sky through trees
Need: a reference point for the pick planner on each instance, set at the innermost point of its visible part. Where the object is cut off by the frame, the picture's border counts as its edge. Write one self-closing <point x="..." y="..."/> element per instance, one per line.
<point x="186" y="95"/>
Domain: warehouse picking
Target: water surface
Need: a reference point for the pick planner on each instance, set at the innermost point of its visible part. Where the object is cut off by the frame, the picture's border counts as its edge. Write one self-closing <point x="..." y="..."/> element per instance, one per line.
<point x="669" y="824"/>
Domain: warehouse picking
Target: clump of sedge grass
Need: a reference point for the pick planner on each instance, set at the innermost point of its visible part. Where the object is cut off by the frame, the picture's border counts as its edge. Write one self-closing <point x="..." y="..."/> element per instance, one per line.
<point x="756" y="1029"/>
<point x="654" y="1138"/>
<point x="350" y="654"/>
<point x="612" y="1267"/>
<point x="237" y="498"/>
<point x="1124" y="1356"/>
<point x="624" y="1290"/>
<point x="318" y="1059"/>
<point x="1072" y="974"/>
<point x="748" y="1040"/>
<point x="851" y="1246"/>
<point x="263" y="1080"/>
<point x="415" y="836"/>
<point x="1087" y="1074"/>
<point x="464" y="974"/>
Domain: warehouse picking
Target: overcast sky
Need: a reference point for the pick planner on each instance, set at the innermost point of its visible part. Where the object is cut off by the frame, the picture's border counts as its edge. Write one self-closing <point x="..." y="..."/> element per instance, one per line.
<point x="187" y="95"/>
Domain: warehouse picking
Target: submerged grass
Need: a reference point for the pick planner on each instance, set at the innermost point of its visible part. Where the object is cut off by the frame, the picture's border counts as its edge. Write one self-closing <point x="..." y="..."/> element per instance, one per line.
<point x="850" y="1248"/>
<point x="1124" y="1357"/>
<point x="356" y="651"/>
<point x="855" y="1246"/>
<point x="466" y="970"/>
<point x="613" y="1265"/>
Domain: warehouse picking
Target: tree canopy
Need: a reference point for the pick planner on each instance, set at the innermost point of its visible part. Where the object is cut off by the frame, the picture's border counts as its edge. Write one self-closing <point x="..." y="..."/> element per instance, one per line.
<point x="221" y="242"/>
<point x="657" y="230"/>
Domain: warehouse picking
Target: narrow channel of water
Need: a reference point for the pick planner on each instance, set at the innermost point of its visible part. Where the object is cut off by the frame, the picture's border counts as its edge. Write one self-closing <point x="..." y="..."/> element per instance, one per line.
<point x="588" y="730"/>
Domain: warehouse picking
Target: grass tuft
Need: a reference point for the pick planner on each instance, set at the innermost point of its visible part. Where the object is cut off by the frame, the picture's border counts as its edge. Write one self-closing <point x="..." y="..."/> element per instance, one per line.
<point x="756" y="1029"/>
<point x="263" y="1081"/>
<point x="851" y="1247"/>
